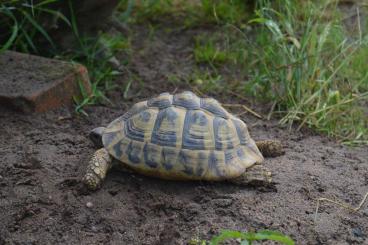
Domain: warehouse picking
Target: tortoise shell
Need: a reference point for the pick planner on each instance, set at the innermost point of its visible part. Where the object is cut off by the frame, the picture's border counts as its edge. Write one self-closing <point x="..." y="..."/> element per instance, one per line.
<point x="182" y="136"/>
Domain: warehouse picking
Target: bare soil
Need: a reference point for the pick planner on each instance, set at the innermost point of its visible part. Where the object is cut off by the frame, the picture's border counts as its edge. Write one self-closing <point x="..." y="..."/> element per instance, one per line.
<point x="43" y="157"/>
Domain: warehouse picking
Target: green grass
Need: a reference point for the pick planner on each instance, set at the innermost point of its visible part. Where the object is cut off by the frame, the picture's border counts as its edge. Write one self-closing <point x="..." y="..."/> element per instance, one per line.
<point x="92" y="54"/>
<point x="190" y="13"/>
<point x="311" y="69"/>
<point x="217" y="50"/>
<point x="305" y="64"/>
<point x="20" y="24"/>
<point x="223" y="12"/>
<point x="245" y="238"/>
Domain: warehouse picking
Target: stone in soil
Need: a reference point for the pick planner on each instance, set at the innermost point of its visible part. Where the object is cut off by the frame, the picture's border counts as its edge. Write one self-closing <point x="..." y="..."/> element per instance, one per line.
<point x="31" y="83"/>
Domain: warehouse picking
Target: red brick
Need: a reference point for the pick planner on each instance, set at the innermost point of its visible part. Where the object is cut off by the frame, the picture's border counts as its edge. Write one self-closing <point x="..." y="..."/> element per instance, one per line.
<point x="31" y="83"/>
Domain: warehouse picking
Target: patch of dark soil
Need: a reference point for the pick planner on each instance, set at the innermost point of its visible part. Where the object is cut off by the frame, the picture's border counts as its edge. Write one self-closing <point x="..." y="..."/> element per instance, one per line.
<point x="43" y="158"/>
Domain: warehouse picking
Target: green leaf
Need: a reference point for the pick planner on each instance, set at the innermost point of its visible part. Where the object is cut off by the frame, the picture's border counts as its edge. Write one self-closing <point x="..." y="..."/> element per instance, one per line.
<point x="15" y="29"/>
<point x="248" y="237"/>
<point x="57" y="14"/>
<point x="259" y="20"/>
<point x="126" y="90"/>
<point x="229" y="234"/>
<point x="38" y="27"/>
<point x="29" y="40"/>
<point x="274" y="236"/>
<point x="46" y="2"/>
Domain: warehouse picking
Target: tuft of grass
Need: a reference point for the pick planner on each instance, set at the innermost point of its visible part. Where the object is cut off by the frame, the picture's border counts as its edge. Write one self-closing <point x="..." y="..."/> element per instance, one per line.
<point x="310" y="69"/>
<point x="207" y="50"/>
<point x="22" y="22"/>
<point x="96" y="55"/>
<point x="306" y="64"/>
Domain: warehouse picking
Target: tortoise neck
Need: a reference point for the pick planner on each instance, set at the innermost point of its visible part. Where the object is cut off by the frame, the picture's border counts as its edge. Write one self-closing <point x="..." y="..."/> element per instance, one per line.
<point x="96" y="136"/>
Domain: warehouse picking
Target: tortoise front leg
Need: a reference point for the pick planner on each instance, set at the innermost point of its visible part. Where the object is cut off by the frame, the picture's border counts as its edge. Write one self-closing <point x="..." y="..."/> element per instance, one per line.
<point x="270" y="148"/>
<point x="257" y="175"/>
<point x="97" y="169"/>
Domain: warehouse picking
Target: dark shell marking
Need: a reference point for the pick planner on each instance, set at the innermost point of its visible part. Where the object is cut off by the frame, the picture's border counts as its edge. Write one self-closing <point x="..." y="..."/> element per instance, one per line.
<point x="224" y="135"/>
<point x="134" y="152"/>
<point x="182" y="137"/>
<point x="196" y="131"/>
<point x="242" y="131"/>
<point x="152" y="155"/>
<point x="214" y="164"/>
<point x="161" y="136"/>
<point x="133" y="132"/>
<point x="168" y="157"/>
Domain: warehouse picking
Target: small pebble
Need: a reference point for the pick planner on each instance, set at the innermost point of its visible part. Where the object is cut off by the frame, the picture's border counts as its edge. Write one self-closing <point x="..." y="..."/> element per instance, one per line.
<point x="89" y="205"/>
<point x="357" y="232"/>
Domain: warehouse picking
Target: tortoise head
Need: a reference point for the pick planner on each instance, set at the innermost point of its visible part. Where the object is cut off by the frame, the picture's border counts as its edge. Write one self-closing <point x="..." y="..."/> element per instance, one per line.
<point x="96" y="136"/>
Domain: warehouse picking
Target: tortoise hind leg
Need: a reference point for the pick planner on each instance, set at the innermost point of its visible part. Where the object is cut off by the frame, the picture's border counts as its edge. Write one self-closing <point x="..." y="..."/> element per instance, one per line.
<point x="97" y="169"/>
<point x="270" y="148"/>
<point x="257" y="175"/>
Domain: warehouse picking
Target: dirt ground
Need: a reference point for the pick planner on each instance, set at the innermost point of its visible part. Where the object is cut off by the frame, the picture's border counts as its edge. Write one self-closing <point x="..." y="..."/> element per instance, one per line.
<point x="44" y="156"/>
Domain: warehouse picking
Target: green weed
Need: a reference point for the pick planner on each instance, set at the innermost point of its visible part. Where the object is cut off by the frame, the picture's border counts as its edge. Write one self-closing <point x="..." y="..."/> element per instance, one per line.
<point x="245" y="238"/>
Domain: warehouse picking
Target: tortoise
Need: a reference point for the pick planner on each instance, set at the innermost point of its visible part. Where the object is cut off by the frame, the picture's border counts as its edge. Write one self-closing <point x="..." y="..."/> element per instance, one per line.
<point x="180" y="137"/>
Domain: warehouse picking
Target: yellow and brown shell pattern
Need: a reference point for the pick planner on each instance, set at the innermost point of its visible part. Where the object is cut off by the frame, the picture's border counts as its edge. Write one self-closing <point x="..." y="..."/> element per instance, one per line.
<point x="182" y="137"/>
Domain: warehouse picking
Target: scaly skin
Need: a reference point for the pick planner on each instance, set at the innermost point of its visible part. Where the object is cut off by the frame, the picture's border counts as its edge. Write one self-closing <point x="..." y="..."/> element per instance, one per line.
<point x="257" y="175"/>
<point x="270" y="148"/>
<point x="97" y="169"/>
